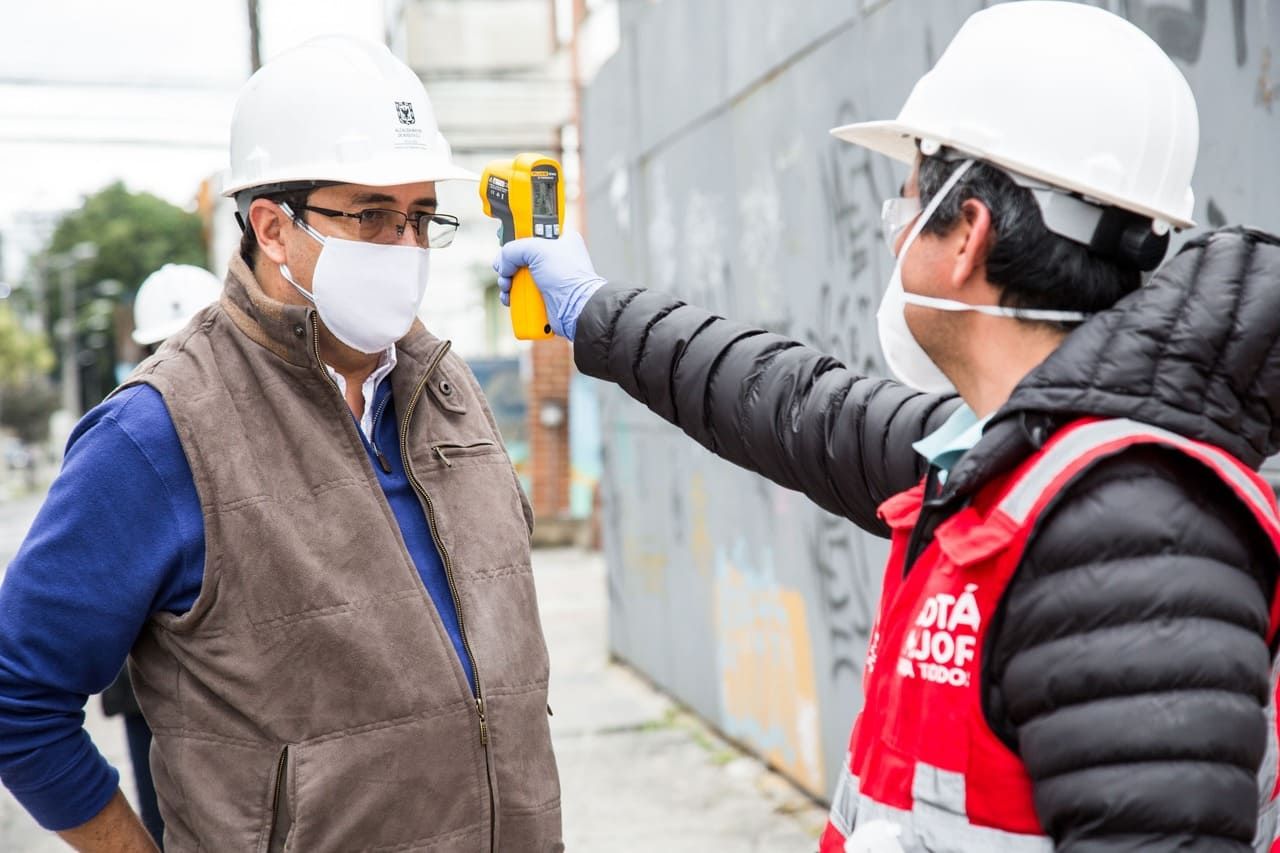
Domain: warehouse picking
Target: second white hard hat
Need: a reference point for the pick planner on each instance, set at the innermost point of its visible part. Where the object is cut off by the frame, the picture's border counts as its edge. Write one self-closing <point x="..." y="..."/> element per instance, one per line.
<point x="337" y="108"/>
<point x="169" y="298"/>
<point x="1061" y="92"/>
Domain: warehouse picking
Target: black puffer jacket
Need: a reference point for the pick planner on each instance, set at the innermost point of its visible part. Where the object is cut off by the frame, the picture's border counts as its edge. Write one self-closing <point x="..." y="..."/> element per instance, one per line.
<point x="1128" y="666"/>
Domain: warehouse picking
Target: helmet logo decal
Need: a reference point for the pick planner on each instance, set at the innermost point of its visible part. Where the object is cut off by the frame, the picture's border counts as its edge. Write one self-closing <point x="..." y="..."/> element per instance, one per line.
<point x="404" y="112"/>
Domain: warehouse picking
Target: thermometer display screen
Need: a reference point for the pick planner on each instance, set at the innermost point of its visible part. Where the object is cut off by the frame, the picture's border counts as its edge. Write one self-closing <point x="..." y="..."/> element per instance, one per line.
<point x="544" y="197"/>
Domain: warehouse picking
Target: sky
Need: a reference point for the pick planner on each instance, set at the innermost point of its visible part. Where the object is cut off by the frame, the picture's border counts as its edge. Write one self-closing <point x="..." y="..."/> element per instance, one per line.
<point x="136" y="90"/>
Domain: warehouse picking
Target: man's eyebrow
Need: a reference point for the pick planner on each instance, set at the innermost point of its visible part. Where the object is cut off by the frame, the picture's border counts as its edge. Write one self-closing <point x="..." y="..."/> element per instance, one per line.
<point x="371" y="198"/>
<point x="383" y="198"/>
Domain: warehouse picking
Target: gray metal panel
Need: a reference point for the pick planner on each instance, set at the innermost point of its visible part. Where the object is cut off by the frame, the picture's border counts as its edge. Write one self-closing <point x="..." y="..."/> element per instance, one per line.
<point x="764" y="35"/>
<point x="609" y="137"/>
<point x="716" y="180"/>
<point x="681" y="67"/>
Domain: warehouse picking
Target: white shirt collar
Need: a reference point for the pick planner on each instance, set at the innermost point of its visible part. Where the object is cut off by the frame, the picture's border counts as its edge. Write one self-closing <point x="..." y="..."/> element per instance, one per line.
<point x="386" y="363"/>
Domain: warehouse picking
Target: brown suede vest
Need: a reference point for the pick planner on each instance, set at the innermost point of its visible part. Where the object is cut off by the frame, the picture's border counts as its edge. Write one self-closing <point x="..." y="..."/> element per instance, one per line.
<point x="311" y="700"/>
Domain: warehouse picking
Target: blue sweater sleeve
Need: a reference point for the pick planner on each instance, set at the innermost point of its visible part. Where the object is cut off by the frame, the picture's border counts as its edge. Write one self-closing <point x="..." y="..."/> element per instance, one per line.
<point x="120" y="536"/>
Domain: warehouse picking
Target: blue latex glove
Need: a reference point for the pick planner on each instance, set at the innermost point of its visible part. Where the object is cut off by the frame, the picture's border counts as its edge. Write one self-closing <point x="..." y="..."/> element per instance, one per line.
<point x="562" y="270"/>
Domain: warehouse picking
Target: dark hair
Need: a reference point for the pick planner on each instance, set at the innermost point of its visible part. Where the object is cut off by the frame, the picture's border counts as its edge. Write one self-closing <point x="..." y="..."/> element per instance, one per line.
<point x="1032" y="266"/>
<point x="296" y="199"/>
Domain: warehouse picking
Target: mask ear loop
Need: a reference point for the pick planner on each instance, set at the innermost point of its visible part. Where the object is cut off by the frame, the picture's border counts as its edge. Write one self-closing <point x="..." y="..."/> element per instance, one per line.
<point x="934" y="203"/>
<point x="284" y="268"/>
<point x="1037" y="314"/>
<point x="302" y="223"/>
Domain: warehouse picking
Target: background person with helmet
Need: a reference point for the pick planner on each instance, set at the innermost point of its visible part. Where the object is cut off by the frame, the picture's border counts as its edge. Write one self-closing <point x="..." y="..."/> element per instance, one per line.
<point x="1072" y="648"/>
<point x="298" y="521"/>
<point x="166" y="301"/>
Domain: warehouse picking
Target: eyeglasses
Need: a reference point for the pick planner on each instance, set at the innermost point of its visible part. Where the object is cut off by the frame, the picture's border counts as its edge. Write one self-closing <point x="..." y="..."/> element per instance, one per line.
<point x="433" y="230"/>
<point x="896" y="215"/>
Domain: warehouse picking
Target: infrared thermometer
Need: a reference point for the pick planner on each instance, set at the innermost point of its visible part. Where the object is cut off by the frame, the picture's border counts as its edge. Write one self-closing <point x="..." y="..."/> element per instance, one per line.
<point x="527" y="196"/>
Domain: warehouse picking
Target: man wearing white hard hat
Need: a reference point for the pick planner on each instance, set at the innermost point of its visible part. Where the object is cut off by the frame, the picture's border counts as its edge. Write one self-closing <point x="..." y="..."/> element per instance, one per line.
<point x="298" y="521"/>
<point x="1073" y="644"/>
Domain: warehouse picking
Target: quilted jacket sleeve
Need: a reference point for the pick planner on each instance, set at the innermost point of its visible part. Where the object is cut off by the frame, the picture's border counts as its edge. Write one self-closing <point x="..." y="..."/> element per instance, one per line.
<point x="1130" y="668"/>
<point x="762" y="401"/>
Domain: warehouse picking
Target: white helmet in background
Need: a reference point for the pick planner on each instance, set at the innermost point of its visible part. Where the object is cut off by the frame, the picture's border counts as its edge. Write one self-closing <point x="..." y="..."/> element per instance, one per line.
<point x="335" y="109"/>
<point x="1062" y="93"/>
<point x="169" y="298"/>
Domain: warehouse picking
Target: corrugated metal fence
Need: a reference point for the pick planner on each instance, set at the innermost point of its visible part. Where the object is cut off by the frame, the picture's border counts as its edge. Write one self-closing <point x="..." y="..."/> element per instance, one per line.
<point x="710" y="174"/>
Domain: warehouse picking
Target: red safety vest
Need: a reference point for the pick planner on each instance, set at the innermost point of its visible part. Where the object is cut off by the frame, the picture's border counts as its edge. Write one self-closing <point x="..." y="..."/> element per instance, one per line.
<point x="925" y="771"/>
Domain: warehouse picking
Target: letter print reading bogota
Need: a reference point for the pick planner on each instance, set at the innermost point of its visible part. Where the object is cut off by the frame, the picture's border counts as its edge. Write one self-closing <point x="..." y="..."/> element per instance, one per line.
<point x="941" y="645"/>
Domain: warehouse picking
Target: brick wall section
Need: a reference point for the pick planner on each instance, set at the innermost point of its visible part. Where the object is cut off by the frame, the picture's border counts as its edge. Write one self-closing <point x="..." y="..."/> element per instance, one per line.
<point x="549" y="446"/>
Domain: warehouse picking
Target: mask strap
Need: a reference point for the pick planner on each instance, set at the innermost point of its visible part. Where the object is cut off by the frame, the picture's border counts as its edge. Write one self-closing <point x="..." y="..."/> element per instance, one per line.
<point x="1039" y="314"/>
<point x="301" y="223"/>
<point x="939" y="197"/>
<point x="284" y="268"/>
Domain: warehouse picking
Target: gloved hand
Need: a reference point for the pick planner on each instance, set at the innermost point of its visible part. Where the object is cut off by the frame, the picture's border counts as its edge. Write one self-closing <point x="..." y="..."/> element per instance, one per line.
<point x="562" y="270"/>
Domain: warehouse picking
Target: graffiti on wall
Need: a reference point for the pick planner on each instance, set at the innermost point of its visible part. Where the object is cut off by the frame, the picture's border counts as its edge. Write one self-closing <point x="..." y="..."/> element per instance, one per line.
<point x="854" y="183"/>
<point x="768" y="694"/>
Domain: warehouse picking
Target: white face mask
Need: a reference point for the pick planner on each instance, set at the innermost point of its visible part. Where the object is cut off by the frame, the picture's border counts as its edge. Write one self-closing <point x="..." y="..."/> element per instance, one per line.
<point x="367" y="294"/>
<point x="907" y="360"/>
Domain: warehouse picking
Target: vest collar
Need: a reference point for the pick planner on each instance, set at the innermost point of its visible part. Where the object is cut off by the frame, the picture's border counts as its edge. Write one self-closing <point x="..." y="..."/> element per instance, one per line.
<point x="287" y="331"/>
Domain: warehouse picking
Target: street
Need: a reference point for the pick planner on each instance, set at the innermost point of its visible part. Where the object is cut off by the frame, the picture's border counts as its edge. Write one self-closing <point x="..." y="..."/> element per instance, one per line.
<point x="637" y="772"/>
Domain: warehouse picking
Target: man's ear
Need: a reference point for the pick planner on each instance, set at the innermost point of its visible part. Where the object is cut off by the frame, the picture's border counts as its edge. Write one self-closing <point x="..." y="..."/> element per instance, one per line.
<point x="974" y="240"/>
<point x="268" y="222"/>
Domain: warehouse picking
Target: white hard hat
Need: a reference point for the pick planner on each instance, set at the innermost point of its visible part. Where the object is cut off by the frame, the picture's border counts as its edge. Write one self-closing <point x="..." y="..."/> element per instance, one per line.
<point x="1067" y="94"/>
<point x="169" y="298"/>
<point x="340" y="109"/>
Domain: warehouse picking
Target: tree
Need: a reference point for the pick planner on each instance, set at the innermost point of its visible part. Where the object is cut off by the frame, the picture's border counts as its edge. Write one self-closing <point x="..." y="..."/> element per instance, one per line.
<point x="135" y="234"/>
<point x="26" y="397"/>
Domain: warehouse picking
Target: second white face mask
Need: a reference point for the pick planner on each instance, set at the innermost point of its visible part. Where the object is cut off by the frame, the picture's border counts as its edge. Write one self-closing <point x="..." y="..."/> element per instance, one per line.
<point x="907" y="360"/>
<point x="367" y="294"/>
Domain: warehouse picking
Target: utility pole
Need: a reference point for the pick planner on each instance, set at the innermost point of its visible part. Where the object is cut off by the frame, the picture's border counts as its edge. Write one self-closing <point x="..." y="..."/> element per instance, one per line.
<point x="255" y="37"/>
<point x="66" y="264"/>
<point x="70" y="358"/>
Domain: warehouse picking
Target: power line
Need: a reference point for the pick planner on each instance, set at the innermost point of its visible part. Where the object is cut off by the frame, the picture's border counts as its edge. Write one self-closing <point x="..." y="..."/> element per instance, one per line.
<point x="472" y="149"/>
<point x="99" y="83"/>
<point x="112" y="140"/>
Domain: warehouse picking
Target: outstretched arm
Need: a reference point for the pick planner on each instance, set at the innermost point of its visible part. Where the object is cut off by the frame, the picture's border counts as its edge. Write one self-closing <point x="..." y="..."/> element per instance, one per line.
<point x="760" y="400"/>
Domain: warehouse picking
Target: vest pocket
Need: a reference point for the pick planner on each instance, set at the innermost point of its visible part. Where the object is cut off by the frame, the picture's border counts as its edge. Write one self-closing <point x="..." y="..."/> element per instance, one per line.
<point x="448" y="451"/>
<point x="281" y="818"/>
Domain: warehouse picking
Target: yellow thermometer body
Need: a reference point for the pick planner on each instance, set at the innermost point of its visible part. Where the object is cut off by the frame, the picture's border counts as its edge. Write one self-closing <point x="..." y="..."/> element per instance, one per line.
<point x="527" y="196"/>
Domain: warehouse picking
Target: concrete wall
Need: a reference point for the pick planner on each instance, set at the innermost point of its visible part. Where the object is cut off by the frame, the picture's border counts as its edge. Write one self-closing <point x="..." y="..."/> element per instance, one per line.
<point x="710" y="174"/>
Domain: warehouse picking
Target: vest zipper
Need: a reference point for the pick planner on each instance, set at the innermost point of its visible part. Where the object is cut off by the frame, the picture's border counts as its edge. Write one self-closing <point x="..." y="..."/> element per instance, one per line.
<point x="444" y="553"/>
<point x="448" y="572"/>
<point x="315" y="343"/>
<point x="277" y="800"/>
<point x="373" y="439"/>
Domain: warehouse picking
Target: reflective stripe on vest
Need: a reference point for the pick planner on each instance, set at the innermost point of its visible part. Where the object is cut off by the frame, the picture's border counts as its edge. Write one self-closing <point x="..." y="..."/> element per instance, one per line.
<point x="1084" y="440"/>
<point x="936" y="822"/>
<point x="907" y="799"/>
<point x="1267" y="837"/>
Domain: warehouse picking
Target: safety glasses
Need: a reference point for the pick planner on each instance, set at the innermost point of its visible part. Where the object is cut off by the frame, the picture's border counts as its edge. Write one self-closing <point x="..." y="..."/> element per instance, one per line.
<point x="896" y="215"/>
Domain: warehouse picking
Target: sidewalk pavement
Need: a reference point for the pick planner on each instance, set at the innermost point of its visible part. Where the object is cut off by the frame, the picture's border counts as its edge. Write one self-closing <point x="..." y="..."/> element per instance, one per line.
<point x="637" y="773"/>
